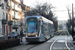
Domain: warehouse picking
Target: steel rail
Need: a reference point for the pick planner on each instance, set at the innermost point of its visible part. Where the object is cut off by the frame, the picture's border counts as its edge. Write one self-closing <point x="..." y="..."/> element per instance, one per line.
<point x="66" y="43"/>
<point x="54" y="42"/>
<point x="57" y="39"/>
<point x="71" y="42"/>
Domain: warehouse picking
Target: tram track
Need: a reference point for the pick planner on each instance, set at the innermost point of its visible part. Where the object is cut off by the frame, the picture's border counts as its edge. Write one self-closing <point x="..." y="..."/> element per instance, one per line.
<point x="66" y="43"/>
<point x="50" y="45"/>
<point x="56" y="41"/>
<point x="71" y="42"/>
<point x="27" y="46"/>
<point x="33" y="46"/>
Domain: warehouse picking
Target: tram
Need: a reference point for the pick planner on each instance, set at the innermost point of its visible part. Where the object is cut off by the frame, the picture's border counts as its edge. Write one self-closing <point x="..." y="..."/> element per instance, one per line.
<point x="38" y="28"/>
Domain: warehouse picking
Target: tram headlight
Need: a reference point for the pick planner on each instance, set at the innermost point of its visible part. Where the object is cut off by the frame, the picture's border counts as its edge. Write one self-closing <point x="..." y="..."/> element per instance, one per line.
<point x="35" y="35"/>
<point x="26" y="36"/>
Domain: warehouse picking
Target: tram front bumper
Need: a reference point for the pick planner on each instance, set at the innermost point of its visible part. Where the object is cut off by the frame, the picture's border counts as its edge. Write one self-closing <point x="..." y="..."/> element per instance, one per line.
<point x="32" y="39"/>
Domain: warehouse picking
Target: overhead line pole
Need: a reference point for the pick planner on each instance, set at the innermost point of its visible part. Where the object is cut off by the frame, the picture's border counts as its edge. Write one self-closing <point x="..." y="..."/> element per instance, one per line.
<point x="73" y="24"/>
<point x="72" y="17"/>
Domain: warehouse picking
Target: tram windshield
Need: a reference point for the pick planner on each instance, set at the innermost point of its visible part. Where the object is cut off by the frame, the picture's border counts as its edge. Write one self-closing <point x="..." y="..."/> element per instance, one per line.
<point x="31" y="26"/>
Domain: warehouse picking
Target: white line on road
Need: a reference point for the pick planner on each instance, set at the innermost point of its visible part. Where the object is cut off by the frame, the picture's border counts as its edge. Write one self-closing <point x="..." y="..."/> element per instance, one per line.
<point x="62" y="48"/>
<point x="54" y="42"/>
<point x="66" y="43"/>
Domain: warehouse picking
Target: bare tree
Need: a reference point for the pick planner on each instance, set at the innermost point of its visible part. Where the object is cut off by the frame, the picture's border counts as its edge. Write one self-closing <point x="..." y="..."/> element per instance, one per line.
<point x="69" y="14"/>
<point x="42" y="9"/>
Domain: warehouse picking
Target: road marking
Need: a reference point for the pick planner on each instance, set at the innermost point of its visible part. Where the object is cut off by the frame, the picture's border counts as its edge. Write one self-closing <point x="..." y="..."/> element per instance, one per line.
<point x="66" y="43"/>
<point x="60" y="41"/>
<point x="53" y="43"/>
<point x="61" y="48"/>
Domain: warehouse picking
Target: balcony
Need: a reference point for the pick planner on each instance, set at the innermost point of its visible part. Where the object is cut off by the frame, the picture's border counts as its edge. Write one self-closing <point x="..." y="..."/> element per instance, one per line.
<point x="4" y="21"/>
<point x="10" y="22"/>
<point x="17" y="1"/>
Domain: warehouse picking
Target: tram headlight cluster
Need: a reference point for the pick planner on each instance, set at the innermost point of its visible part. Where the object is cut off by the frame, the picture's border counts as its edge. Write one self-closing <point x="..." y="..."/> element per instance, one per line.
<point x="35" y="35"/>
<point x="26" y="36"/>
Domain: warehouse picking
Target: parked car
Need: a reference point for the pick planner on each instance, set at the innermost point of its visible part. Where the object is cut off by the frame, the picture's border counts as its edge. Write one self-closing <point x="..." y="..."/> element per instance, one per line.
<point x="13" y="35"/>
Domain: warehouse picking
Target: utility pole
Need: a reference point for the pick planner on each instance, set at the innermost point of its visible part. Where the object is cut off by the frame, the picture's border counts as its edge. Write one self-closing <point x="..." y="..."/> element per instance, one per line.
<point x="69" y="16"/>
<point x="73" y="24"/>
<point x="72" y="17"/>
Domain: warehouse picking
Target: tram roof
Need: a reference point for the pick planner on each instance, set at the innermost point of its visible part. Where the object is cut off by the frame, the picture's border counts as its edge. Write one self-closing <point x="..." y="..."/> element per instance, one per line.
<point x="41" y="17"/>
<point x="37" y="16"/>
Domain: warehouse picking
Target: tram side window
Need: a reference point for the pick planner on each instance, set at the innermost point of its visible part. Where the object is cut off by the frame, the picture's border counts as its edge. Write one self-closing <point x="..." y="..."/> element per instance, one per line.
<point x="41" y="25"/>
<point x="45" y="28"/>
<point x="50" y="27"/>
<point x="42" y="28"/>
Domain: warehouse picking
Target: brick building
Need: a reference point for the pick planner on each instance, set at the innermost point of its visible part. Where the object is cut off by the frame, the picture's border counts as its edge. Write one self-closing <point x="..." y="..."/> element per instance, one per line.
<point x="12" y="16"/>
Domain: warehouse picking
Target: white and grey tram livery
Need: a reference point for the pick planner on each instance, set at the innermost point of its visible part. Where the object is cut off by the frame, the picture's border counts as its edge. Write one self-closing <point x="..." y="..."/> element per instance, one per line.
<point x="38" y="28"/>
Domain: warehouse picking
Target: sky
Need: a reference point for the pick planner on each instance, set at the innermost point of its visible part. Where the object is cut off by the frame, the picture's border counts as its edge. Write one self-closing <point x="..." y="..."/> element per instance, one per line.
<point x="58" y="4"/>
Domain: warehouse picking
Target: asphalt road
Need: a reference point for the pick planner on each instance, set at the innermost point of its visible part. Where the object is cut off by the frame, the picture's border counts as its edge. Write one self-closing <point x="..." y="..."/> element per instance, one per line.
<point x="58" y="45"/>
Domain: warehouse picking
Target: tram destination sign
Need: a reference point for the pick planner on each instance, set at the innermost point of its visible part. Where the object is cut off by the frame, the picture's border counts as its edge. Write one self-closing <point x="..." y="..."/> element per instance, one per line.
<point x="31" y="19"/>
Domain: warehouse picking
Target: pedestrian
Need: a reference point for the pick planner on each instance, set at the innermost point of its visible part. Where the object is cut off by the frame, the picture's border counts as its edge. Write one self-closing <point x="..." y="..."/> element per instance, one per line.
<point x="21" y="35"/>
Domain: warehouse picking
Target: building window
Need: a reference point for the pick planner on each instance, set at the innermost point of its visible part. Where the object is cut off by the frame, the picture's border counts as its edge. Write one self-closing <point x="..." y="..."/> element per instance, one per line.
<point x="9" y="17"/>
<point x="6" y="16"/>
<point x="9" y="29"/>
<point x="17" y="15"/>
<point x="3" y="29"/>
<point x="12" y="14"/>
<point x="12" y="5"/>
<point x="2" y="6"/>
<point x="3" y="17"/>
<point x="0" y="3"/>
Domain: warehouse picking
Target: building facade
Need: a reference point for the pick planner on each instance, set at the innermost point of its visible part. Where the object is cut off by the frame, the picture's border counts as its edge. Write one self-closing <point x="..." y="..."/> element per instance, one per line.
<point x="12" y="16"/>
<point x="3" y="17"/>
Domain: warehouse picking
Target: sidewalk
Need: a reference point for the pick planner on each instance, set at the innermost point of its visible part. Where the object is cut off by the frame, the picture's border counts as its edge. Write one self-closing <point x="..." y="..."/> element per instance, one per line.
<point x="24" y="41"/>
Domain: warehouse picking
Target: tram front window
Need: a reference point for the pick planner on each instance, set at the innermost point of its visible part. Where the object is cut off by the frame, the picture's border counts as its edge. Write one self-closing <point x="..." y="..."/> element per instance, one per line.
<point x="32" y="26"/>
